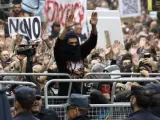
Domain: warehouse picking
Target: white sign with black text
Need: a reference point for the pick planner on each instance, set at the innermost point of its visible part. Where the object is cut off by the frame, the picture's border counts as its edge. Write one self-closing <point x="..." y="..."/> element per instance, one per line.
<point x="27" y="26"/>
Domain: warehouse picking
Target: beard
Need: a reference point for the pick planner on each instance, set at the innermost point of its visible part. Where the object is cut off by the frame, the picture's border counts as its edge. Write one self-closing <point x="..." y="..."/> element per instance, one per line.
<point x="132" y="106"/>
<point x="126" y="68"/>
<point x="17" y="12"/>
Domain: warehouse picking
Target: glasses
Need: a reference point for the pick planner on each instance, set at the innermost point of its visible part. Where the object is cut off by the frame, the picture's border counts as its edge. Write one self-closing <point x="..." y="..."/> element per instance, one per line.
<point x="126" y="63"/>
<point x="38" y="98"/>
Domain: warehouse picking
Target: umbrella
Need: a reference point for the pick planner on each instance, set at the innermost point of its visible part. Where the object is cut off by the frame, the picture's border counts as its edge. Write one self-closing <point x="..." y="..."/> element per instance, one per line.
<point x="5" y="113"/>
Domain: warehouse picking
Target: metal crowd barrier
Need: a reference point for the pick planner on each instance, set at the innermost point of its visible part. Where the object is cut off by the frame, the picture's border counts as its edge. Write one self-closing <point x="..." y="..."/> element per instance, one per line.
<point x="40" y="74"/>
<point x="59" y="99"/>
<point x="96" y="80"/>
<point x="99" y="111"/>
<point x="115" y="83"/>
<point x="132" y="74"/>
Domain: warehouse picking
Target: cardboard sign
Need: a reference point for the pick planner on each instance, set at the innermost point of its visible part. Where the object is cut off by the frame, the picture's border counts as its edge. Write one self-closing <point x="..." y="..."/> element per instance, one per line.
<point x="56" y="10"/>
<point x="129" y="8"/>
<point x="154" y="5"/>
<point x="27" y="26"/>
<point x="108" y="27"/>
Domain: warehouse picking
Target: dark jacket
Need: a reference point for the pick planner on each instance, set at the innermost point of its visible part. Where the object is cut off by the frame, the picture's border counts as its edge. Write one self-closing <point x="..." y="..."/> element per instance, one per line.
<point x="47" y="114"/>
<point x="25" y="116"/>
<point x="61" y="61"/>
<point x="142" y="115"/>
<point x="82" y="118"/>
<point x="156" y="110"/>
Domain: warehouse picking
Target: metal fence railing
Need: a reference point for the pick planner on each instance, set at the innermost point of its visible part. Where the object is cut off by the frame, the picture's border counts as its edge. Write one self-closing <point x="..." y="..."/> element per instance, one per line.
<point x="37" y="74"/>
<point x="17" y="83"/>
<point x="132" y="74"/>
<point x="95" y="80"/>
<point x="100" y="111"/>
<point x="96" y="112"/>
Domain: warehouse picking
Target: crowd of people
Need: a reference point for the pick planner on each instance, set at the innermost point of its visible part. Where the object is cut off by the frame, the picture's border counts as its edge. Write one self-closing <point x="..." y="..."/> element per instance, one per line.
<point x="109" y="4"/>
<point x="71" y="52"/>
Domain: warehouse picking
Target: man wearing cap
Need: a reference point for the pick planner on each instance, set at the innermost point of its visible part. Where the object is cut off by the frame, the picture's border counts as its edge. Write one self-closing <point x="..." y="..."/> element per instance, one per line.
<point x="155" y="107"/>
<point x="140" y="102"/>
<point x="24" y="99"/>
<point x="42" y="113"/>
<point x="77" y="107"/>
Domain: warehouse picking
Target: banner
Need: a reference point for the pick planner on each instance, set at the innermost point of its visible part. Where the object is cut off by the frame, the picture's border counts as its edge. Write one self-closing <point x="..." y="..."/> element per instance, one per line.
<point x="27" y="26"/>
<point x="154" y="5"/>
<point x="129" y="8"/>
<point x="56" y="10"/>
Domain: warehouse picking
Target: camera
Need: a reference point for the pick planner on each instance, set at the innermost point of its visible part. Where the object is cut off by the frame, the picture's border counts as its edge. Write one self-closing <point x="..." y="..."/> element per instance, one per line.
<point x="147" y="55"/>
<point x="28" y="50"/>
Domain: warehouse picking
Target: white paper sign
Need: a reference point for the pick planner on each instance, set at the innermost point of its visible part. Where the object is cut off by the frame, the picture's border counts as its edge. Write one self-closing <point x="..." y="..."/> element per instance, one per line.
<point x="130" y="8"/>
<point x="107" y="21"/>
<point x="27" y="26"/>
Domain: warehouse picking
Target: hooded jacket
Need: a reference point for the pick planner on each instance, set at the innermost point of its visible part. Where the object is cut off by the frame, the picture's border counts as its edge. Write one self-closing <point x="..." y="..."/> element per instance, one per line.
<point x="62" y="59"/>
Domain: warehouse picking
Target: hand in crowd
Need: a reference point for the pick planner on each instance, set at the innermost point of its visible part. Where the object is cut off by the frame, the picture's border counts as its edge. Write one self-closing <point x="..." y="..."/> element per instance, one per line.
<point x="70" y="20"/>
<point x="94" y="19"/>
<point x="116" y="47"/>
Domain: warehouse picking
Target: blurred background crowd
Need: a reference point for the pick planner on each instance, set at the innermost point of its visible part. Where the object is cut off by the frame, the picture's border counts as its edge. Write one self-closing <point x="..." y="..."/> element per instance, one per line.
<point x="109" y="4"/>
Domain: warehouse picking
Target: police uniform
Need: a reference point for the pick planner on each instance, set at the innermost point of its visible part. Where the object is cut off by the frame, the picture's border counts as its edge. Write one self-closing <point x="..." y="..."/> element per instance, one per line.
<point x="79" y="101"/>
<point x="25" y="116"/>
<point x="142" y="114"/>
<point x="24" y="93"/>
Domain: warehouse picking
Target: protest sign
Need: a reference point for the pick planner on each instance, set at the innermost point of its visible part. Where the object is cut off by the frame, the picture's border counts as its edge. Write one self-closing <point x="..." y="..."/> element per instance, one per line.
<point x="154" y="5"/>
<point x="129" y="8"/>
<point x="111" y="30"/>
<point x="56" y="10"/>
<point x="27" y="26"/>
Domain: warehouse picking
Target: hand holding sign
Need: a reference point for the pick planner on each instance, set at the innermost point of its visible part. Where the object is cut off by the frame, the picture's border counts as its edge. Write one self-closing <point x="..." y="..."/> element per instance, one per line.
<point x="108" y="50"/>
<point x="19" y="38"/>
<point x="44" y="35"/>
<point x="116" y="47"/>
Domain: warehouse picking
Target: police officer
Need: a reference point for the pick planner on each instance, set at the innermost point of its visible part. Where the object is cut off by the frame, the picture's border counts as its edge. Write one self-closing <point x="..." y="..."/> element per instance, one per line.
<point x="40" y="112"/>
<point x="77" y="107"/>
<point x="140" y="102"/>
<point x="24" y="99"/>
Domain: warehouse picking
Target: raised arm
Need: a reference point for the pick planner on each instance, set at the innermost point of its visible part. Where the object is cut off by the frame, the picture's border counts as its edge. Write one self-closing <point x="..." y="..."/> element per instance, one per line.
<point x="69" y="24"/>
<point x="92" y="41"/>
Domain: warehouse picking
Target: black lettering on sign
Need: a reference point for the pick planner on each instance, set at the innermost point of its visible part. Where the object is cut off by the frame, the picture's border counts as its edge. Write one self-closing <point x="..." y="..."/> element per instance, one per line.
<point x="14" y="26"/>
<point x="22" y="28"/>
<point x="36" y="33"/>
<point x="27" y="27"/>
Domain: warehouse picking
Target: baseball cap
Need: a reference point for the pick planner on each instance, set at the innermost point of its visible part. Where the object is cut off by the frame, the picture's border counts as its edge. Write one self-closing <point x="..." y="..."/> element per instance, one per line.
<point x="154" y="86"/>
<point x="24" y="93"/>
<point x="142" y="91"/>
<point x="78" y="100"/>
